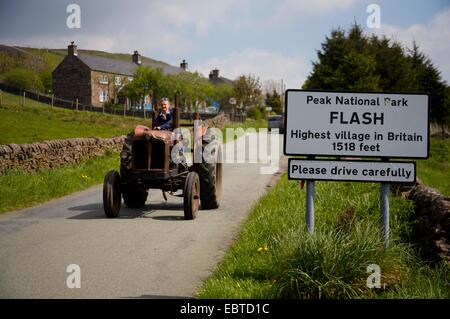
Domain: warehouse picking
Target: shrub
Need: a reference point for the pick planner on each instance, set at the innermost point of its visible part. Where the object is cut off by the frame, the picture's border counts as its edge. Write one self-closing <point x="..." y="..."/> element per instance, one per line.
<point x="22" y="78"/>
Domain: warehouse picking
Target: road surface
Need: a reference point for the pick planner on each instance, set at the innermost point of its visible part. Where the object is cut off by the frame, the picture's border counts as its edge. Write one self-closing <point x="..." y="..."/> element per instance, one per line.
<point x="145" y="253"/>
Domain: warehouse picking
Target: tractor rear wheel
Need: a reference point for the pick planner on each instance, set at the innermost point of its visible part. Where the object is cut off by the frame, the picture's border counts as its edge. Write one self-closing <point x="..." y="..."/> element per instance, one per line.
<point x="191" y="195"/>
<point x="134" y="197"/>
<point x="210" y="175"/>
<point x="111" y="194"/>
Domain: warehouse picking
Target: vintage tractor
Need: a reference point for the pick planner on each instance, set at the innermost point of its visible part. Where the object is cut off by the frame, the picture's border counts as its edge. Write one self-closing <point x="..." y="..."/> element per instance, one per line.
<point x="146" y="162"/>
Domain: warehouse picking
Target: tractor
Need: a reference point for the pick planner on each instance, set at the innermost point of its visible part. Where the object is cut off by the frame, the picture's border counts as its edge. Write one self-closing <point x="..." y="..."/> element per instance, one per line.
<point x="154" y="159"/>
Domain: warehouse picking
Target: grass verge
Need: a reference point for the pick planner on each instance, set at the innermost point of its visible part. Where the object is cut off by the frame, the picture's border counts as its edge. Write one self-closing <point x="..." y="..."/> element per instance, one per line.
<point x="435" y="171"/>
<point x="19" y="189"/>
<point x="275" y="257"/>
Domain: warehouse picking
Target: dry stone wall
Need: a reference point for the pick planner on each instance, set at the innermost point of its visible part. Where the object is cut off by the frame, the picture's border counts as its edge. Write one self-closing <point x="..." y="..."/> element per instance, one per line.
<point x="432" y="219"/>
<point x="54" y="153"/>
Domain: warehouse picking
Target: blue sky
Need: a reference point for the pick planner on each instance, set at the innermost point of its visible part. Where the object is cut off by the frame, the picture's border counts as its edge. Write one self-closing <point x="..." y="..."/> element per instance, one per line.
<point x="271" y="39"/>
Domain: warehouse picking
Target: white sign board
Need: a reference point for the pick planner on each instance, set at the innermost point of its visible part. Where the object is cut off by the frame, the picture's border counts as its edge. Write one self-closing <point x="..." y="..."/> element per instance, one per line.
<point x="358" y="171"/>
<point x="232" y="100"/>
<point x="356" y="124"/>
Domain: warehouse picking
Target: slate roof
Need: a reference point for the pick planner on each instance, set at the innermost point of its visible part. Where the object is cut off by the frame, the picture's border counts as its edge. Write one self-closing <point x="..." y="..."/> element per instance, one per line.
<point x="221" y="80"/>
<point x="123" y="67"/>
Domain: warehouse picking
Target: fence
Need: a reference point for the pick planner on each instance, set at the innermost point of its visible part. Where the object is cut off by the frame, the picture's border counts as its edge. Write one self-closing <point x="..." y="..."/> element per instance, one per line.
<point x="76" y="105"/>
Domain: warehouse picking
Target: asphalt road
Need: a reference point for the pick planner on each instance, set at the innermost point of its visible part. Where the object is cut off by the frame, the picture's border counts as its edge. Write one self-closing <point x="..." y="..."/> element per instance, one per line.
<point x="145" y="253"/>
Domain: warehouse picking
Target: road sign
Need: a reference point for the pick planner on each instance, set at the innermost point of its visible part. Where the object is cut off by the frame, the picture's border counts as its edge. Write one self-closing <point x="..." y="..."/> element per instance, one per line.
<point x="357" y="171"/>
<point x="232" y="101"/>
<point x="356" y="124"/>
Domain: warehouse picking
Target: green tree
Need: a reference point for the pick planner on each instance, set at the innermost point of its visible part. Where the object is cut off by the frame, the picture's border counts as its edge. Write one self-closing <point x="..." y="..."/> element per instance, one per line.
<point x="428" y="80"/>
<point x="222" y="93"/>
<point x="392" y="65"/>
<point x="247" y="90"/>
<point x="22" y="78"/>
<point x="46" y="80"/>
<point x="273" y="100"/>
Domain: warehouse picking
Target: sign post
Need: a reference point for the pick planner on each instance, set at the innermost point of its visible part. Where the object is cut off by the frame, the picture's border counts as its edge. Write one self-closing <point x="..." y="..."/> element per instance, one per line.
<point x="355" y="124"/>
<point x="384" y="207"/>
<point x="310" y="193"/>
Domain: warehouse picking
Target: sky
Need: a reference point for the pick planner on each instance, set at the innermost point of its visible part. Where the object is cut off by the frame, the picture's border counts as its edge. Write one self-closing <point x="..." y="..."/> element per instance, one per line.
<point x="273" y="40"/>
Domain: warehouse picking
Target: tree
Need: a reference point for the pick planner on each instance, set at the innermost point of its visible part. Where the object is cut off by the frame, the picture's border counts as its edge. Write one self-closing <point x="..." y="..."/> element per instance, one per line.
<point x="24" y="79"/>
<point x="222" y="93"/>
<point x="247" y="90"/>
<point x="273" y="100"/>
<point x="428" y="79"/>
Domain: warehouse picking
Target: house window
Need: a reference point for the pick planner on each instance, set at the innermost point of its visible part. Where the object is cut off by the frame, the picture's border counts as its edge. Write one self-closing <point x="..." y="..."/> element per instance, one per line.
<point x="103" y="79"/>
<point x="103" y="96"/>
<point x="118" y="80"/>
<point x="130" y="79"/>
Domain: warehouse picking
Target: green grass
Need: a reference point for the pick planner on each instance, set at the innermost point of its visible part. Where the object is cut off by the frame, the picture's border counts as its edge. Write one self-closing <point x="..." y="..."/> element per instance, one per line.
<point x="19" y="189"/>
<point x="275" y="257"/>
<point x="435" y="171"/>
<point x="38" y="122"/>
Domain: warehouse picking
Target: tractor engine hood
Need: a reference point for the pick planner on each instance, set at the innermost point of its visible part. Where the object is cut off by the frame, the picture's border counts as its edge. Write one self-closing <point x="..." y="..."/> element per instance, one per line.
<point x="142" y="131"/>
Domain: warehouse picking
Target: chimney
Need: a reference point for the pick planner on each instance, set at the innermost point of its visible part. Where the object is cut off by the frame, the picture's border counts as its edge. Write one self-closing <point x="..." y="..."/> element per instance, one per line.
<point x="72" y="49"/>
<point x="136" y="57"/>
<point x="214" y="74"/>
<point x="184" y="65"/>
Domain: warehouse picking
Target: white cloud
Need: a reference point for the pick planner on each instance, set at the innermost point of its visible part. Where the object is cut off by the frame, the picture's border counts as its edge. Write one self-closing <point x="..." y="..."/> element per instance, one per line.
<point x="432" y="38"/>
<point x="201" y="14"/>
<point x="294" y="9"/>
<point x="267" y="65"/>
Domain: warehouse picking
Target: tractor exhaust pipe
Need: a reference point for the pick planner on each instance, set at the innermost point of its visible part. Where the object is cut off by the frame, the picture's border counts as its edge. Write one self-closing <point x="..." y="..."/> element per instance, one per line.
<point x="176" y="113"/>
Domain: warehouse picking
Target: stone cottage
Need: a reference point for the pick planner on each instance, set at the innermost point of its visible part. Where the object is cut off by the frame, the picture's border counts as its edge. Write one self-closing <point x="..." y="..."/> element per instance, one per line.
<point x="96" y="80"/>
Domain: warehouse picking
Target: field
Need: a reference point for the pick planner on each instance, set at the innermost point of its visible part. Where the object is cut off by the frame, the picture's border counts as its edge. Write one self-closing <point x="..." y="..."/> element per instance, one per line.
<point x="38" y="122"/>
<point x="435" y="171"/>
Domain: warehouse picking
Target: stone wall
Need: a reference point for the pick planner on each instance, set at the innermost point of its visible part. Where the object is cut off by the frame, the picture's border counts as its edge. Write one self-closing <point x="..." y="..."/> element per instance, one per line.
<point x="55" y="153"/>
<point x="431" y="219"/>
<point x="71" y="80"/>
<point x="219" y="121"/>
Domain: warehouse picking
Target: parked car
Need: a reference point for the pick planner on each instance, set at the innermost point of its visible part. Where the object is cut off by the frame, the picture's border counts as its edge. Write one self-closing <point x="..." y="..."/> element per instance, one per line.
<point x="276" y="122"/>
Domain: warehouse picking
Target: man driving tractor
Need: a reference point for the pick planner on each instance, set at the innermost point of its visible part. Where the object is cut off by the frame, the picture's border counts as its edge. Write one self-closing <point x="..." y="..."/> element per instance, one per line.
<point x="164" y="119"/>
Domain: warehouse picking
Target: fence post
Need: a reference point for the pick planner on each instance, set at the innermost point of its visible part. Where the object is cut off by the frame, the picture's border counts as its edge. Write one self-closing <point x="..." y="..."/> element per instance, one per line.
<point x="124" y="108"/>
<point x="23" y="99"/>
<point x="76" y="103"/>
<point x="53" y="99"/>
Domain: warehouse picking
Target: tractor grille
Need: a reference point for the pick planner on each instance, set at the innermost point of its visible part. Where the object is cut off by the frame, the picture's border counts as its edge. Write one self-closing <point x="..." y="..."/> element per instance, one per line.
<point x="140" y="154"/>
<point x="148" y="154"/>
<point x="158" y="155"/>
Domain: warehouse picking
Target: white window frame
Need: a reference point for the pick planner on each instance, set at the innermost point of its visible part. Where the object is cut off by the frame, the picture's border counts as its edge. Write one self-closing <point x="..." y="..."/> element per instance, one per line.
<point x="118" y="80"/>
<point x="103" y="97"/>
<point x="103" y="79"/>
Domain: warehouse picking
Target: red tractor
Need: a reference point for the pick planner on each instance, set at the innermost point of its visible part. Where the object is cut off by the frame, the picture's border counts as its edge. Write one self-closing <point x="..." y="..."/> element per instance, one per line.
<point x="147" y="162"/>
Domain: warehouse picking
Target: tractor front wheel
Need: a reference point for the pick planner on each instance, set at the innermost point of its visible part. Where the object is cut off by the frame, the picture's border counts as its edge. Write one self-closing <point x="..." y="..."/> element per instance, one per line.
<point x="191" y="195"/>
<point x="111" y="194"/>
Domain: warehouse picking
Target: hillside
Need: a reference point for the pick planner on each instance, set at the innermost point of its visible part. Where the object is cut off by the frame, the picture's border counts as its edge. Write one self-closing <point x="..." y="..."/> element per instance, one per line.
<point x="38" y="122"/>
<point x="33" y="66"/>
<point x="50" y="58"/>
